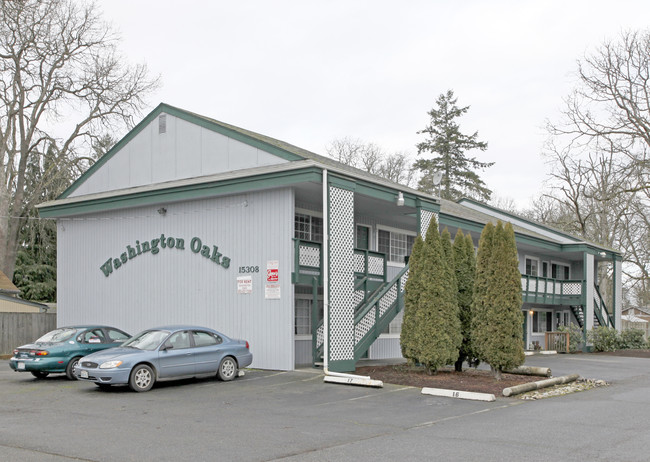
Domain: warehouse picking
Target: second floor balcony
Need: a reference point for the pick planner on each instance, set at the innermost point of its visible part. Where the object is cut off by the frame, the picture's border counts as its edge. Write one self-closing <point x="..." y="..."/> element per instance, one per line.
<point x="536" y="289"/>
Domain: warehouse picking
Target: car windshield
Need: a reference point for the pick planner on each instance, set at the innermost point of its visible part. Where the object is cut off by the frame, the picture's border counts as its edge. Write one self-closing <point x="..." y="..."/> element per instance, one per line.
<point x="147" y="340"/>
<point x="57" y="335"/>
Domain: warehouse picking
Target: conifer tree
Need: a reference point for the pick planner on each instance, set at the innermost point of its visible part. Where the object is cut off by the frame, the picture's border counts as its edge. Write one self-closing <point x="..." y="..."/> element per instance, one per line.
<point x="412" y="292"/>
<point x="449" y="146"/>
<point x="465" y="268"/>
<point x="437" y="323"/>
<point x="497" y="333"/>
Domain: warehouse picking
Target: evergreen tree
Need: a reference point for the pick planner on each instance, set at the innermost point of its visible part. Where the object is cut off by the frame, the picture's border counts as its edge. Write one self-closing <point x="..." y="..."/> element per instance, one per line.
<point x="437" y="324"/>
<point x="448" y="146"/>
<point x="497" y="301"/>
<point x="412" y="291"/>
<point x="465" y="267"/>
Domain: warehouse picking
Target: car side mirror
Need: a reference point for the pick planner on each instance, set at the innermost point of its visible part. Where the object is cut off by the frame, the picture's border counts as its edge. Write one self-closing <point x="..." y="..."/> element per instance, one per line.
<point x="167" y="347"/>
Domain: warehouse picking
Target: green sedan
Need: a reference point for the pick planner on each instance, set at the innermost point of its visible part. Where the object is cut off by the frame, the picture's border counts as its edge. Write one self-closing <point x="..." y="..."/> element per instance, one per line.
<point x="60" y="350"/>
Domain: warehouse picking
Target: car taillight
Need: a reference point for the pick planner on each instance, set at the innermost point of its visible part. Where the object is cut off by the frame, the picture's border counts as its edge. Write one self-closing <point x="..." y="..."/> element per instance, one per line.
<point x="15" y="352"/>
<point x="247" y="347"/>
<point x="39" y="353"/>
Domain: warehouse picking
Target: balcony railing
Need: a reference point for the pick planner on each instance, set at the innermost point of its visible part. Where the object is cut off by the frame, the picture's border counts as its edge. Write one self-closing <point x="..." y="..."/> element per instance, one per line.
<point x="549" y="291"/>
<point x="369" y="267"/>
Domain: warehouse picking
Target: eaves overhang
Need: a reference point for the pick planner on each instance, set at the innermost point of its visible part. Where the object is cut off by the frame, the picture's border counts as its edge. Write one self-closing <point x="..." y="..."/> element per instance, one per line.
<point x="258" y="178"/>
<point x="541" y="242"/>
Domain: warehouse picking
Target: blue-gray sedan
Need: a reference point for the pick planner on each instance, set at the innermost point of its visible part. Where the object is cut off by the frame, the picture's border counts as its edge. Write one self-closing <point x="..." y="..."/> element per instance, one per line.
<point x="162" y="353"/>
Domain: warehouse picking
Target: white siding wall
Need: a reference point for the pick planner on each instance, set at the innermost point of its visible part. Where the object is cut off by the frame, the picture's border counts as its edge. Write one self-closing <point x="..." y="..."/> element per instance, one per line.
<point x="179" y="286"/>
<point x="185" y="151"/>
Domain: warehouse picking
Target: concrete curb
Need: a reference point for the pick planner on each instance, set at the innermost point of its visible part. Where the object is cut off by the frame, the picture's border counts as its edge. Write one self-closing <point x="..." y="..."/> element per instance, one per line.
<point x="458" y="394"/>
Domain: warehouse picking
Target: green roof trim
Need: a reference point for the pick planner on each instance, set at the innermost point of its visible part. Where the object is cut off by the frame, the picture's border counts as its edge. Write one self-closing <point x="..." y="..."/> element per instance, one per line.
<point x="518" y="217"/>
<point x="184" y="192"/>
<point x="468" y="225"/>
<point x="275" y="147"/>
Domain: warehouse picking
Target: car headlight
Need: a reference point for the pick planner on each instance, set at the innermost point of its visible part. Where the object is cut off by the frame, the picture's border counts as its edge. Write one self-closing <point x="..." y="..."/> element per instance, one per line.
<point x="110" y="364"/>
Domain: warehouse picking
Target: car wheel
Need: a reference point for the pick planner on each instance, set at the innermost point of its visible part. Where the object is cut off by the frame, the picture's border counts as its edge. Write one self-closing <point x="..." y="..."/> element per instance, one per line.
<point x="227" y="369"/>
<point x="39" y="374"/>
<point x="70" y="368"/>
<point x="142" y="378"/>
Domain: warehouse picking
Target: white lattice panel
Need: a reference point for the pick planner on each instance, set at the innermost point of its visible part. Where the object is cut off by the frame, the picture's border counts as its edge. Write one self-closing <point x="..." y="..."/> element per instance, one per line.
<point x="341" y="277"/>
<point x="405" y="278"/>
<point x="364" y="326"/>
<point x="358" y="297"/>
<point x="425" y="220"/>
<point x="573" y="288"/>
<point x="387" y="300"/>
<point x="376" y="265"/>
<point x="359" y="263"/>
<point x="320" y="336"/>
<point x="309" y="256"/>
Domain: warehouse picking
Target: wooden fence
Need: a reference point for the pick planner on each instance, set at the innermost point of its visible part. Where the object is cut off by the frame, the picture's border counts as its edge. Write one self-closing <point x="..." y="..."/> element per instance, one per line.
<point x="558" y="341"/>
<point x="20" y="328"/>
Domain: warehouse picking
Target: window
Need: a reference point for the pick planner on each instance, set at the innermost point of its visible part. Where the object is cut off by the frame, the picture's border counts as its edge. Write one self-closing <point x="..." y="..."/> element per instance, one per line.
<point x="395" y="245"/>
<point x="178" y="341"/>
<point x="304" y="304"/>
<point x="303" y="316"/>
<point x="362" y="237"/>
<point x="532" y="266"/>
<point x="93" y="336"/>
<point x="559" y="271"/>
<point x="202" y="339"/>
<point x="116" y="336"/>
<point x="308" y="228"/>
<point x="542" y="321"/>
<point x="544" y="269"/>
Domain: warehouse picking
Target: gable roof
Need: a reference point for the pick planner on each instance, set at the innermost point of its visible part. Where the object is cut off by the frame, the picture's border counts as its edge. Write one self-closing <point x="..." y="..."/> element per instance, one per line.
<point x="273" y="146"/>
<point x="302" y="165"/>
<point x="6" y="286"/>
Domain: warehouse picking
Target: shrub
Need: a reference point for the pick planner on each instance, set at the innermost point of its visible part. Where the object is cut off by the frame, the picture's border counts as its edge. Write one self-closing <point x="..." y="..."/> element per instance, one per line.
<point x="575" y="337"/>
<point x="632" y="339"/>
<point x="604" y="338"/>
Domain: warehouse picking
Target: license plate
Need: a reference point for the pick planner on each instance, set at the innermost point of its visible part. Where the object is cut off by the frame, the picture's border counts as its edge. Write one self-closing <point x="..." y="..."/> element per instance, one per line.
<point x="21" y="366"/>
<point x="84" y="374"/>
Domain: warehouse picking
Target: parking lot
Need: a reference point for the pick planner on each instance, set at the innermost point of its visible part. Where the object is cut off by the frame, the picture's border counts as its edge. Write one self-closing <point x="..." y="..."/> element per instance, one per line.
<point x="269" y="415"/>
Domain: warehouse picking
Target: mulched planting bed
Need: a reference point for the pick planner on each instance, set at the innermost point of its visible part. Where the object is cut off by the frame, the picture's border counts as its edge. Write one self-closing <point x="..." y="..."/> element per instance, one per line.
<point x="480" y="381"/>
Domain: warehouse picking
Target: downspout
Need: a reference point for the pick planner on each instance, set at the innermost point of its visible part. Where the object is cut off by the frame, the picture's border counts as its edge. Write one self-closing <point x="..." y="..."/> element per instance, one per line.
<point x="334" y="377"/>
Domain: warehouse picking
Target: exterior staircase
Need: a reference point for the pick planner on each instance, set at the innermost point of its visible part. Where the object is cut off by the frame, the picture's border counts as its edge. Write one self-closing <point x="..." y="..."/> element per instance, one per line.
<point x="601" y="314"/>
<point x="374" y="312"/>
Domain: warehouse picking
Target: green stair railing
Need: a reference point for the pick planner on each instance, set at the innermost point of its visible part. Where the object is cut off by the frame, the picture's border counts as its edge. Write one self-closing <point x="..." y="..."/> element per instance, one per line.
<point x="372" y="316"/>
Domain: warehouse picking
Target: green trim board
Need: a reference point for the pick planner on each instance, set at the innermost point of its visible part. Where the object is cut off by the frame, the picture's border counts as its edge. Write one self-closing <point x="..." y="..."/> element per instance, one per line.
<point x="180" y="193"/>
<point x="245" y="136"/>
<point x="578" y="240"/>
<point x="468" y="225"/>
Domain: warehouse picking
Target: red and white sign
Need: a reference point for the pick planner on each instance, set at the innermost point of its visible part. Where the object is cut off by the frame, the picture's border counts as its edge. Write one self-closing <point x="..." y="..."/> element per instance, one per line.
<point x="272" y="272"/>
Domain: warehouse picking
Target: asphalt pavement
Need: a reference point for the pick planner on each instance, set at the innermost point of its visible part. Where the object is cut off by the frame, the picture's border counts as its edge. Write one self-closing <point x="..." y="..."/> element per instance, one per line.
<point x="271" y="415"/>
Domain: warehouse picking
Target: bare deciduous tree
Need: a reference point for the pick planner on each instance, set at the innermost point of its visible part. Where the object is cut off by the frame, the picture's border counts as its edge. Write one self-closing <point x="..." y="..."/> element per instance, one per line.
<point x="60" y="72"/>
<point x="372" y="159"/>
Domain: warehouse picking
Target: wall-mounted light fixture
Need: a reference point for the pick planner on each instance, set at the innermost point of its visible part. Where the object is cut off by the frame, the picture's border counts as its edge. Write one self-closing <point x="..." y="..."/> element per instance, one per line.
<point x="400" y="199"/>
<point x="602" y="254"/>
<point x="162" y="211"/>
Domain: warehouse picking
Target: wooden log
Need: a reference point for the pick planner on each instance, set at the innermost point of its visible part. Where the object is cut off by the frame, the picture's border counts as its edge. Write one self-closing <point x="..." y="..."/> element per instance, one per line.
<point x="523" y="388"/>
<point x="530" y="370"/>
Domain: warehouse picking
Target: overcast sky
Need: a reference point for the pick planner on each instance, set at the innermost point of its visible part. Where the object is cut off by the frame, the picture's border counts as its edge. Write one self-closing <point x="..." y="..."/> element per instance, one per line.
<point x="309" y="72"/>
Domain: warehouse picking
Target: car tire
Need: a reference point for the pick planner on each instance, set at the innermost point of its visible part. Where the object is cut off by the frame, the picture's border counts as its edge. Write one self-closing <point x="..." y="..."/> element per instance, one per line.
<point x="227" y="369"/>
<point x="142" y="378"/>
<point x="40" y="374"/>
<point x="70" y="368"/>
